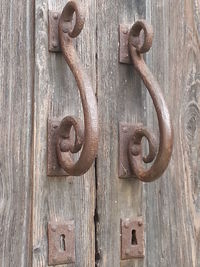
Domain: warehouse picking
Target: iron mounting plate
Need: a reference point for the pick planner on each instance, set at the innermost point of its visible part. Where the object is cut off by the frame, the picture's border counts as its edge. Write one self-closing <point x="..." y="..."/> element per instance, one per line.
<point x="129" y="250"/>
<point x="124" y="55"/>
<point x="53" y="167"/>
<point x="126" y="130"/>
<point x="55" y="231"/>
<point x="54" y="42"/>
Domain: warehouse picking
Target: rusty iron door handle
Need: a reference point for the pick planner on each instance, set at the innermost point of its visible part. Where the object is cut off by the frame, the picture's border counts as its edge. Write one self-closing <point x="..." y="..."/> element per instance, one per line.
<point x="87" y="138"/>
<point x="139" y="41"/>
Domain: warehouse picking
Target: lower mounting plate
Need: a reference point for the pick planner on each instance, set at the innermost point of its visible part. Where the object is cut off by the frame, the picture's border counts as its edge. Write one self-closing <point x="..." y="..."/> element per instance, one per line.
<point x="132" y="238"/>
<point x="61" y="242"/>
<point x="53" y="167"/>
<point x="124" y="55"/>
<point x="126" y="130"/>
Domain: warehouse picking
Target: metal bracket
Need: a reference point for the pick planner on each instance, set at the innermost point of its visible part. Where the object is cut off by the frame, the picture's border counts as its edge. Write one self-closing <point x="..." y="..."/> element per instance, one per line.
<point x="61" y="243"/>
<point x="54" y="42"/>
<point x="124" y="55"/>
<point x="132" y="238"/>
<point x="53" y="167"/>
<point x="125" y="132"/>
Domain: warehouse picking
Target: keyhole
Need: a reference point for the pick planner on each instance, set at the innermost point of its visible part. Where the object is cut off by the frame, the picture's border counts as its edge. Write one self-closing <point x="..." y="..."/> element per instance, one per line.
<point x="62" y="242"/>
<point x="134" y="239"/>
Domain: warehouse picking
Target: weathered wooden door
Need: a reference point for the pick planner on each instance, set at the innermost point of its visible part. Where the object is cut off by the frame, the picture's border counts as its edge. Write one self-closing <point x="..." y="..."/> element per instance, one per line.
<point x="36" y="85"/>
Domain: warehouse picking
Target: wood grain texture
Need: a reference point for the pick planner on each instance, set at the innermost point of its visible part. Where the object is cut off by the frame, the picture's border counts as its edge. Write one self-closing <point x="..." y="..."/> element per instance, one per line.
<point x="170" y="206"/>
<point x="16" y="86"/>
<point x="56" y="95"/>
<point x="119" y="100"/>
<point x="172" y="202"/>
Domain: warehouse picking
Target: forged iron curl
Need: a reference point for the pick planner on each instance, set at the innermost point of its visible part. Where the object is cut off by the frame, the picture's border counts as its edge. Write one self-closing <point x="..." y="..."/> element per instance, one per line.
<point x="140" y="41"/>
<point x="87" y="138"/>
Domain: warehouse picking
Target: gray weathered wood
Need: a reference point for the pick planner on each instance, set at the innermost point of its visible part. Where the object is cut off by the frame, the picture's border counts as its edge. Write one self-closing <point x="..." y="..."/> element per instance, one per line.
<point x="56" y="95"/>
<point x="172" y="203"/>
<point x="119" y="100"/>
<point x="16" y="86"/>
<point x="170" y="206"/>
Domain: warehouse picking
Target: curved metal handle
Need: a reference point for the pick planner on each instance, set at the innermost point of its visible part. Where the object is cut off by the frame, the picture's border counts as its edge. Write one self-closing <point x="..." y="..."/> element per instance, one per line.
<point x="86" y="139"/>
<point x="140" y="41"/>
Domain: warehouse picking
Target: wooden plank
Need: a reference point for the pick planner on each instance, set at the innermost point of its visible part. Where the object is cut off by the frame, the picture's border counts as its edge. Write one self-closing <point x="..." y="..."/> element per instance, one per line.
<point x="16" y="86"/>
<point x="56" y="95"/>
<point x="120" y="100"/>
<point x="172" y="203"/>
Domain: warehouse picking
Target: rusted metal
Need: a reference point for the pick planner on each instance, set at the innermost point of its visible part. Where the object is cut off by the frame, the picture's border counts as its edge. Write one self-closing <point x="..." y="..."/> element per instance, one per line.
<point x="61" y="243"/>
<point x="124" y="54"/>
<point x="126" y="132"/>
<point x="86" y="139"/>
<point x="54" y="41"/>
<point x="132" y="238"/>
<point x="53" y="166"/>
<point x="140" y="41"/>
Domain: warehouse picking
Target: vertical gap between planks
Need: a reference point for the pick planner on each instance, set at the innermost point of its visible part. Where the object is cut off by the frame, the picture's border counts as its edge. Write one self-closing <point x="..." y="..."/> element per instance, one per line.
<point x="96" y="216"/>
<point x="96" y="219"/>
<point x="32" y="142"/>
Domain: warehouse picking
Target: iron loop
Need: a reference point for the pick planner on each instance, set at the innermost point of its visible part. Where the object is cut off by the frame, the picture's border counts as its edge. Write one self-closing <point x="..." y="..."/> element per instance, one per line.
<point x="66" y="19"/>
<point x="141" y="36"/>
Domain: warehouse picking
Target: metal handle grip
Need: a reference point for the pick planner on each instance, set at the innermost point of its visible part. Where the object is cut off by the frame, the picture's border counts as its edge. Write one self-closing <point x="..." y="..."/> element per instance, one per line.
<point x="86" y="139"/>
<point x="138" y="45"/>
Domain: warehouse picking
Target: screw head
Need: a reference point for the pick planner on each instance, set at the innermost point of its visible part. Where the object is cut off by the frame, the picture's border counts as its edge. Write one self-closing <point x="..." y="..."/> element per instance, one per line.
<point x="53" y="228"/>
<point x="65" y="27"/>
<point x="125" y="129"/>
<point x="125" y="31"/>
<point x="54" y="44"/>
<point x="54" y="167"/>
<point x="69" y="227"/>
<point x="55" y="16"/>
<point x="126" y="224"/>
<point x="64" y="145"/>
<point x="135" y="150"/>
<point x="65" y="30"/>
<point x="127" y="251"/>
<point x="140" y="223"/>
